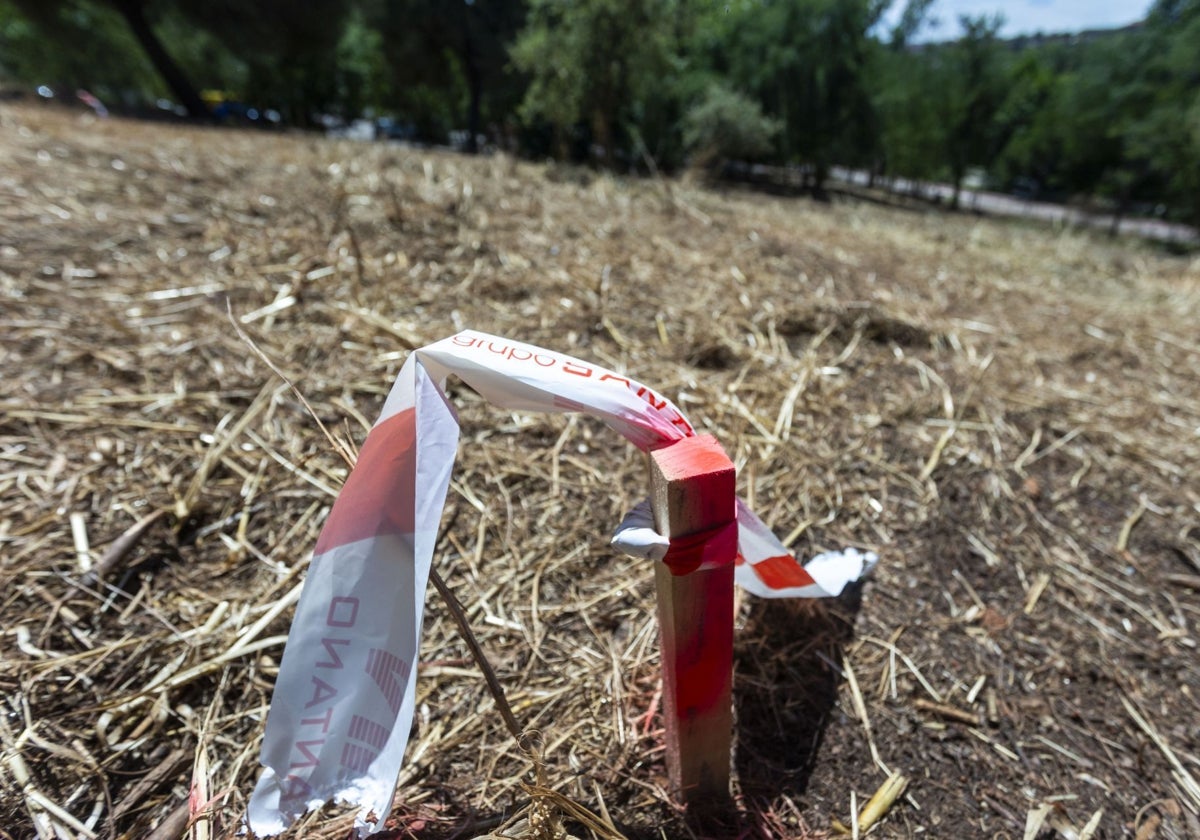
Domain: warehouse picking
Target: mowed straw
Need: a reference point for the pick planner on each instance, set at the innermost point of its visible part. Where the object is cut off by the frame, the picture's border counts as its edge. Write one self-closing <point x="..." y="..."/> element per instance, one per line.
<point x="1005" y="413"/>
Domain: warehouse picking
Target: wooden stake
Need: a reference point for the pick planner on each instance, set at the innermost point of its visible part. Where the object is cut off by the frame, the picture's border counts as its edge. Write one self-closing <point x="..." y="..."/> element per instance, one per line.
<point x="692" y="490"/>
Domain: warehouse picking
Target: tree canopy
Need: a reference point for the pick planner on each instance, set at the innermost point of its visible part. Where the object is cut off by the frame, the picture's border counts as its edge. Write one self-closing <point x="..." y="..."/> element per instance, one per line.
<point x="1107" y="118"/>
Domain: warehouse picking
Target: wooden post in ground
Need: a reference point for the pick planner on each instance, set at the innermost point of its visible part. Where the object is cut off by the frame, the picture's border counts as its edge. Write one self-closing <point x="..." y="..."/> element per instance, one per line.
<point x="692" y="491"/>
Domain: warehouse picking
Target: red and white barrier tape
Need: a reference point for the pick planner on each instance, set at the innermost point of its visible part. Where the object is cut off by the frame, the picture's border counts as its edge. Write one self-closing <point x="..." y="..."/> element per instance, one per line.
<point x="343" y="701"/>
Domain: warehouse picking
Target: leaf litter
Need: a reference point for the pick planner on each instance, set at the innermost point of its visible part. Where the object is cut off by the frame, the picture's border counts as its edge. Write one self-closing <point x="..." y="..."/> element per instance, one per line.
<point x="1008" y="414"/>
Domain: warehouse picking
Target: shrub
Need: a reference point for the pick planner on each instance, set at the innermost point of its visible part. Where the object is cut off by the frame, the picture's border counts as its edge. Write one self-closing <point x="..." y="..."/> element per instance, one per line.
<point x="726" y="124"/>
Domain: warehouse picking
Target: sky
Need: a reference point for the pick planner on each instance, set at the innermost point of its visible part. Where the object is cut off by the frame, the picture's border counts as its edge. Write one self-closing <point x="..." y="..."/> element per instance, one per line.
<point x="1026" y="17"/>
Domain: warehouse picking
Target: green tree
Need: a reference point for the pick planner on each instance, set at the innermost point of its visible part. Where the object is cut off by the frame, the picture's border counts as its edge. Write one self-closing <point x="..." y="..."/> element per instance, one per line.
<point x="1027" y="120"/>
<point x="912" y="18"/>
<point x="276" y="51"/>
<point x="808" y="63"/>
<point x="362" y="70"/>
<point x="449" y="58"/>
<point x="1161" y="139"/>
<point x="1115" y="118"/>
<point x="595" y="61"/>
<point x="1115" y="127"/>
<point x="911" y="135"/>
<point x="726" y="124"/>
<point x="970" y="89"/>
<point x="290" y="49"/>
<point x="85" y="28"/>
<point x="136" y="15"/>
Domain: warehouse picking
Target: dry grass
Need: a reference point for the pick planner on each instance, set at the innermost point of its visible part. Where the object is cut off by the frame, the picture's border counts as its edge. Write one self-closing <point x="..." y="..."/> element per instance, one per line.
<point x="1009" y="415"/>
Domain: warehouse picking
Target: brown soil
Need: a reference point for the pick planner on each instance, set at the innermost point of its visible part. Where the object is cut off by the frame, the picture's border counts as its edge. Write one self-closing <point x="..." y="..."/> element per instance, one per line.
<point x="1009" y="415"/>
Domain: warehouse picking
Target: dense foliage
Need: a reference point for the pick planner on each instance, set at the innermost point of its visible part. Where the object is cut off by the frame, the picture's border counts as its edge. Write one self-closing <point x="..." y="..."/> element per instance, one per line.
<point x="1108" y="118"/>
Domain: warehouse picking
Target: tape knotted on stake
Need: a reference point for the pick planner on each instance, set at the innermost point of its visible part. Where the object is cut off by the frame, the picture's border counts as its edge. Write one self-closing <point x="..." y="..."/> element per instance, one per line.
<point x="346" y="692"/>
<point x="706" y="549"/>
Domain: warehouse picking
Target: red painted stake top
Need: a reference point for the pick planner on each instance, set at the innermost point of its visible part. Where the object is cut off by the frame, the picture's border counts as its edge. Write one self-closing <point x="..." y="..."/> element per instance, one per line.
<point x="692" y="485"/>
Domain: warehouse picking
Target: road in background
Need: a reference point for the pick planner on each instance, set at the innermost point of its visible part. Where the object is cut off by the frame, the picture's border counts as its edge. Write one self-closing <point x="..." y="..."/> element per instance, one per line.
<point x="999" y="204"/>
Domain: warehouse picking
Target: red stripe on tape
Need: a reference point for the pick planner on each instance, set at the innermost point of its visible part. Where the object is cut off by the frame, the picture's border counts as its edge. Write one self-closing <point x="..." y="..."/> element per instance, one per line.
<point x="782" y="572"/>
<point x="378" y="496"/>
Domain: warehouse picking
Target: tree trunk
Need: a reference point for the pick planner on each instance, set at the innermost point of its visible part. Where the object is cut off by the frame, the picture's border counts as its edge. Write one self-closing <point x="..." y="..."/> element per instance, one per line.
<point x="135" y="16"/>
<point x="562" y="146"/>
<point x="602" y="138"/>
<point x="475" y="89"/>
<point x="1114" y="226"/>
<point x="820" y="175"/>
<point x="474" y="83"/>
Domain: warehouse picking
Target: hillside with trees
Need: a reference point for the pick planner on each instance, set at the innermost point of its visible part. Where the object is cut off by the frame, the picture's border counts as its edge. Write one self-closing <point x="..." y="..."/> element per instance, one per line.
<point x="1104" y="120"/>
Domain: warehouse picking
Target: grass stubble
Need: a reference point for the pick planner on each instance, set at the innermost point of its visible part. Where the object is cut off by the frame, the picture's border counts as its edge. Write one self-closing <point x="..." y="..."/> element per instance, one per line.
<point x="1008" y="414"/>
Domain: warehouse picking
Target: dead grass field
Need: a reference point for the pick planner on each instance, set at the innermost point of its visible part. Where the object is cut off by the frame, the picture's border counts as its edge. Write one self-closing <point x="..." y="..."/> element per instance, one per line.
<point x="1009" y="415"/>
